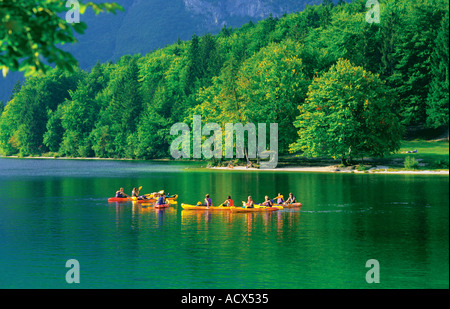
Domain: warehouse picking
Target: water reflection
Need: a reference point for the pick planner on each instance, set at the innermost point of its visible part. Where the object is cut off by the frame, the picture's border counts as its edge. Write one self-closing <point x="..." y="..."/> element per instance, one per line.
<point x="281" y="221"/>
<point x="58" y="210"/>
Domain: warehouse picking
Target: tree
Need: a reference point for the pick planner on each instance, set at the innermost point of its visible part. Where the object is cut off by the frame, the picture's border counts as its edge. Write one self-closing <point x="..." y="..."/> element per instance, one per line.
<point x="210" y="58"/>
<point x="121" y="106"/>
<point x="31" y="31"/>
<point x="81" y="113"/>
<point x="325" y="18"/>
<point x="412" y="75"/>
<point x="347" y="113"/>
<point x="438" y="99"/>
<point x="53" y="136"/>
<point x="194" y="67"/>
<point x="25" y="117"/>
<point x="272" y="84"/>
<point x="389" y="38"/>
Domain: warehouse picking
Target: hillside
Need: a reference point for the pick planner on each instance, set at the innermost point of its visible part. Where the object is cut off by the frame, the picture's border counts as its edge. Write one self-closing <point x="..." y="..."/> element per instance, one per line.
<point x="336" y="85"/>
<point x="148" y="25"/>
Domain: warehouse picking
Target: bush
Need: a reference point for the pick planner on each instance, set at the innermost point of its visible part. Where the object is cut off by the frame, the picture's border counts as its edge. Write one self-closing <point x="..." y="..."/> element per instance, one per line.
<point x="440" y="164"/>
<point x="411" y="163"/>
<point x="361" y="168"/>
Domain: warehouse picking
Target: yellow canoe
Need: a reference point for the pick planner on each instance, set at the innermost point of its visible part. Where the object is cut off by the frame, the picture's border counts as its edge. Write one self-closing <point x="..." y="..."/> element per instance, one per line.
<point x="195" y="207"/>
<point x="262" y="206"/>
<point x="259" y="209"/>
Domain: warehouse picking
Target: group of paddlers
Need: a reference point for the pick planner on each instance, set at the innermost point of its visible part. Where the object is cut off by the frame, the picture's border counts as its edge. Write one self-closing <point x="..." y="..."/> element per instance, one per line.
<point x="278" y="200"/>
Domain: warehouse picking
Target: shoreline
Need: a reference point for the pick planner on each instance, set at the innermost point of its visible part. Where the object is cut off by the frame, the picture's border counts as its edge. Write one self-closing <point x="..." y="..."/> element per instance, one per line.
<point x="312" y="169"/>
<point x="334" y="169"/>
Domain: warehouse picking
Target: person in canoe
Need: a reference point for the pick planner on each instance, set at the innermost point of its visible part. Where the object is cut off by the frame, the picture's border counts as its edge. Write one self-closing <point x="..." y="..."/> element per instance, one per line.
<point x="280" y="199"/>
<point x="161" y="199"/>
<point x="267" y="202"/>
<point x="228" y="202"/>
<point x="291" y="199"/>
<point x="208" y="201"/>
<point x="135" y="193"/>
<point x="250" y="203"/>
<point x="120" y="193"/>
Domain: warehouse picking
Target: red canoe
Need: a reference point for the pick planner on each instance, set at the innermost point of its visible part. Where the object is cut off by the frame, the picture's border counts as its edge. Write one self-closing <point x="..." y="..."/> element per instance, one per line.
<point x="133" y="199"/>
<point x="292" y="205"/>
<point x="162" y="206"/>
<point x="129" y="199"/>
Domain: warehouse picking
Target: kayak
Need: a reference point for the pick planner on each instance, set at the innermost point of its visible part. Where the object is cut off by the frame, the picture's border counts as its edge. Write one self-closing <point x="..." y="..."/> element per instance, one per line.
<point x="279" y="206"/>
<point x="171" y="199"/>
<point x="129" y="199"/>
<point x="168" y="197"/>
<point x="195" y="207"/>
<point x="259" y="209"/>
<point x="293" y="205"/>
<point x="162" y="206"/>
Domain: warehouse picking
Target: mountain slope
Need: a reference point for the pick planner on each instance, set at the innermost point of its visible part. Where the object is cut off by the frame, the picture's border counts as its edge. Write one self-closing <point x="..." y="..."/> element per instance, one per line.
<point x="148" y="25"/>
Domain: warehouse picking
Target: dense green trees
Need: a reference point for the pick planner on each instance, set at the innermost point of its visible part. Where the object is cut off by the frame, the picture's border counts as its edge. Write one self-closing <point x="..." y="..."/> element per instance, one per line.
<point x="438" y="100"/>
<point x="272" y="85"/>
<point x="24" y="120"/>
<point x="283" y="70"/>
<point x="411" y="78"/>
<point x="348" y="113"/>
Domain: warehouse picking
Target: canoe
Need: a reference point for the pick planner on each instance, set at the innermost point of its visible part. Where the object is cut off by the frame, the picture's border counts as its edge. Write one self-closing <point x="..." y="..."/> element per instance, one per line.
<point x="260" y="209"/>
<point x="129" y="199"/>
<point x="172" y="199"/>
<point x="195" y="207"/>
<point x="162" y="206"/>
<point x="279" y="206"/>
<point x="168" y="197"/>
<point x="293" y="205"/>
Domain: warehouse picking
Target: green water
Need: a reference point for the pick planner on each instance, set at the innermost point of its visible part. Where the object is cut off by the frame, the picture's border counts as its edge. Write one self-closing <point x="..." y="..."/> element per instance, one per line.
<point x="55" y="210"/>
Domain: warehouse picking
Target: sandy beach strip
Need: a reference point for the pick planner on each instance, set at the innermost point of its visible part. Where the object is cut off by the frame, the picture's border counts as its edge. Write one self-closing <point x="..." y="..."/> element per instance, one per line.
<point x="333" y="169"/>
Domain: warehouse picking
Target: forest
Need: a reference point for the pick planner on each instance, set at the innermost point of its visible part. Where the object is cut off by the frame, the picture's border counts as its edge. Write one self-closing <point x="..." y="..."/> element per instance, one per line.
<point x="336" y="85"/>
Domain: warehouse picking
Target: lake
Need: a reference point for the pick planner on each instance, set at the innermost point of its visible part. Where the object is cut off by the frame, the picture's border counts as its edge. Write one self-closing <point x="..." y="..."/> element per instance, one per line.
<point x="56" y="210"/>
